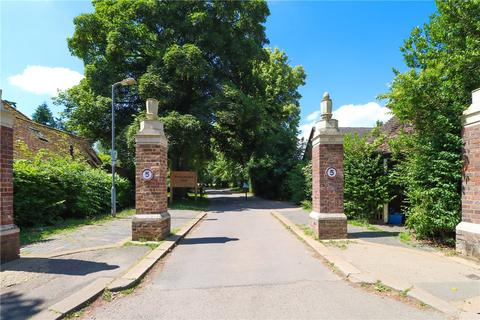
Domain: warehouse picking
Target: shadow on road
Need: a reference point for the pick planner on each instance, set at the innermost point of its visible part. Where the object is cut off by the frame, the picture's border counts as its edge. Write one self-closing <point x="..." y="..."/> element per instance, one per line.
<point x="14" y="306"/>
<point x="207" y="240"/>
<point x="226" y="191"/>
<point x="204" y="219"/>
<point x="239" y="203"/>
<point x="372" y="234"/>
<point x="72" y="267"/>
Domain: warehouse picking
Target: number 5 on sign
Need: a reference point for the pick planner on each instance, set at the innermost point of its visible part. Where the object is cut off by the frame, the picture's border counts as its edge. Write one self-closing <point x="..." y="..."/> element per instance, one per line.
<point x="331" y="172"/>
<point x="147" y="175"/>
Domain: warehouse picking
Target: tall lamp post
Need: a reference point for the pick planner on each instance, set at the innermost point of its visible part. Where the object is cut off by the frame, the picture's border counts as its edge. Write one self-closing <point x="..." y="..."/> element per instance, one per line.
<point x="124" y="82"/>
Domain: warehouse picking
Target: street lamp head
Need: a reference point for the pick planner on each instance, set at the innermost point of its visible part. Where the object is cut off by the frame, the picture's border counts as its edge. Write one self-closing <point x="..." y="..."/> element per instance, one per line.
<point x="128" y="82"/>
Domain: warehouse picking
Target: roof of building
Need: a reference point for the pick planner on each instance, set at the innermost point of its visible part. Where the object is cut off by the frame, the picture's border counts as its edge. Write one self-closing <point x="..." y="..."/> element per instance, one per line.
<point x="38" y="137"/>
<point x="361" y="131"/>
<point x="392" y="129"/>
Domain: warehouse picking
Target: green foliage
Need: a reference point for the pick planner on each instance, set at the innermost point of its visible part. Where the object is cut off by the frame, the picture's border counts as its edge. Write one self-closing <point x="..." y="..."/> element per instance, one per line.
<point x="222" y="171"/>
<point x="183" y="53"/>
<point x="187" y="146"/>
<point x="227" y="102"/>
<point x="44" y="116"/>
<point x="298" y="183"/>
<point x="47" y="190"/>
<point x="380" y="287"/>
<point x="366" y="183"/>
<point x="444" y="59"/>
<point x="276" y="150"/>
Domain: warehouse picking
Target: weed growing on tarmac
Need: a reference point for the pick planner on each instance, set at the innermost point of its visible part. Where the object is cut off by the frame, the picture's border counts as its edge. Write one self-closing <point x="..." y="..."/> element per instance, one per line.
<point x="128" y="291"/>
<point x="380" y="287"/>
<point x="342" y="244"/>
<point x="73" y="315"/>
<point x="107" y="295"/>
<point x="333" y="267"/>
<point x="307" y="231"/>
<point x="404" y="293"/>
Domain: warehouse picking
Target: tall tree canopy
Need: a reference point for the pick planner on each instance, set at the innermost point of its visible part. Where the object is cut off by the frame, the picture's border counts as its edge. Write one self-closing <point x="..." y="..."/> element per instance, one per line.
<point x="44" y="116"/>
<point x="219" y="89"/>
<point x="444" y="61"/>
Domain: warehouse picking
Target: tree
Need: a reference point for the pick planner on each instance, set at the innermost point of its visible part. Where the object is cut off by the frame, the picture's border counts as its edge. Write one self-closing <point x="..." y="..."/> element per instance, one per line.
<point x="182" y="53"/>
<point x="366" y="182"/>
<point x="277" y="151"/>
<point x="444" y="59"/>
<point x="220" y="92"/>
<point x="44" y="116"/>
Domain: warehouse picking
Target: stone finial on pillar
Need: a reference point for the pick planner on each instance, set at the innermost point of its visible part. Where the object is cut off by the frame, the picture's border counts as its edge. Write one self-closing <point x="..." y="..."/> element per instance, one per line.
<point x="152" y="220"/>
<point x="9" y="232"/>
<point x="326" y="107"/>
<point x="327" y="219"/>
<point x="468" y="231"/>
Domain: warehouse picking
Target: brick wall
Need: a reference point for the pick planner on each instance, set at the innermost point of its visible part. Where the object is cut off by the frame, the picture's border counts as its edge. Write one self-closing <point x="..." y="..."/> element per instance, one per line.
<point x="471" y="175"/>
<point x="40" y="137"/>
<point x="6" y="175"/>
<point x="151" y="196"/>
<point x="327" y="193"/>
<point x="9" y="238"/>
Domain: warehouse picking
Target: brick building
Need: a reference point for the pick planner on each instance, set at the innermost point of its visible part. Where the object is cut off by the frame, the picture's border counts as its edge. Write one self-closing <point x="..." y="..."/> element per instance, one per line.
<point x="30" y="137"/>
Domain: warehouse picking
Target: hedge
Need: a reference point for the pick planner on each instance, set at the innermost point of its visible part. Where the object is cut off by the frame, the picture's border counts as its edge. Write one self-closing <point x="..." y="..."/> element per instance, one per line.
<point x="49" y="190"/>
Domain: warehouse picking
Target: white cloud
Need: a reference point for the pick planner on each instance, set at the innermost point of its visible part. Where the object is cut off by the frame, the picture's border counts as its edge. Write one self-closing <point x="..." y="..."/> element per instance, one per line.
<point x="361" y="115"/>
<point x="305" y="130"/>
<point x="313" y="116"/>
<point x="349" y="115"/>
<point x="45" y="80"/>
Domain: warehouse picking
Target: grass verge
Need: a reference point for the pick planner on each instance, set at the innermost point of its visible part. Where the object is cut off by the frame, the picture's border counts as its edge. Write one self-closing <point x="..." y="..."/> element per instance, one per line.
<point x="405" y="237"/>
<point x="306" y="204"/>
<point x="151" y="244"/>
<point x="363" y="223"/>
<point x="190" y="203"/>
<point x="30" y="235"/>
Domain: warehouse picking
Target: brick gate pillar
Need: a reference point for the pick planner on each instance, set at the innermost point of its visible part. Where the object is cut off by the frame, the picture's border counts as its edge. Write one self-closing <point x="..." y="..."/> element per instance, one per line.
<point x="9" y="232"/>
<point x="152" y="220"/>
<point x="468" y="231"/>
<point x="327" y="219"/>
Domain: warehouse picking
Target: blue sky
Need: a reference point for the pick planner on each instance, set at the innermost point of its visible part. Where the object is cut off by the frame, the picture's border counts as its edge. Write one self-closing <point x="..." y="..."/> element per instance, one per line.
<point x="346" y="48"/>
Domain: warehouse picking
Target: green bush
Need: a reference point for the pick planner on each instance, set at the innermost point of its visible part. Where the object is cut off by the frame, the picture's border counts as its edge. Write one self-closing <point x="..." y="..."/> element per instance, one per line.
<point x="366" y="184"/>
<point x="299" y="182"/>
<point x="48" y="190"/>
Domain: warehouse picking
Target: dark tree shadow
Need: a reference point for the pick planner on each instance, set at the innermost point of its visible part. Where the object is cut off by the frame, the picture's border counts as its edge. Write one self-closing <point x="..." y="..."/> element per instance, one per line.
<point x="213" y="191"/>
<point x="221" y="204"/>
<point x="72" y="267"/>
<point x="204" y="219"/>
<point x="207" y="240"/>
<point x="14" y="306"/>
<point x="372" y="234"/>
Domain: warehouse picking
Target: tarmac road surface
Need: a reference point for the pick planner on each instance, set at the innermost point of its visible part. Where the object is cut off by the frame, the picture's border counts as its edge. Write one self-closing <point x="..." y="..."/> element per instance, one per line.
<point x="240" y="263"/>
